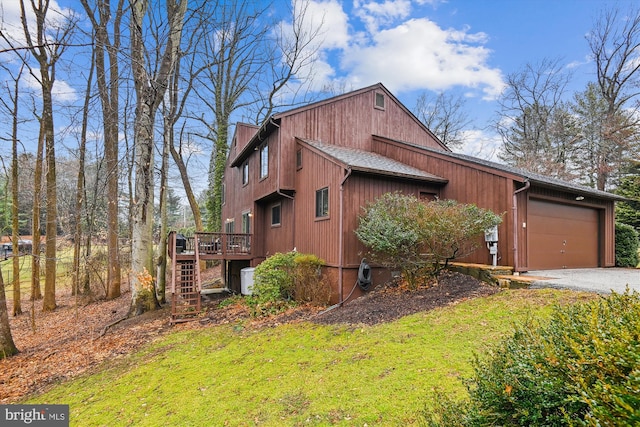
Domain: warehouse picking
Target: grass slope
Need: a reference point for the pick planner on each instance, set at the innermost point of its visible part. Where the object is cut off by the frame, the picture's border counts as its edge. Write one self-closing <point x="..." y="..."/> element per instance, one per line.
<point x="298" y="374"/>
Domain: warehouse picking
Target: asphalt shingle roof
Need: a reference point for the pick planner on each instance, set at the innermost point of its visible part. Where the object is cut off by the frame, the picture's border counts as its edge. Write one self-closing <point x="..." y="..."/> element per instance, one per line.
<point x="368" y="162"/>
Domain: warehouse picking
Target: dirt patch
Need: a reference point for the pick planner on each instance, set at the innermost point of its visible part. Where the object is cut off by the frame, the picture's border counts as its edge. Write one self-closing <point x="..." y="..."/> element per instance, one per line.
<point x="73" y="340"/>
<point x="391" y="302"/>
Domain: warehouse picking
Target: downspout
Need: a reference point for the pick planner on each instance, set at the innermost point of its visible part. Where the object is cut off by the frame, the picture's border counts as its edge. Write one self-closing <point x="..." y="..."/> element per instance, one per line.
<point x="527" y="184"/>
<point x="340" y="238"/>
<point x="280" y="193"/>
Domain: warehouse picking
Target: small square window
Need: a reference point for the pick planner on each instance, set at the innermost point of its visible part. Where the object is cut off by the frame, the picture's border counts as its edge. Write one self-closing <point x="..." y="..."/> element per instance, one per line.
<point x="322" y="202"/>
<point x="275" y="214"/>
<point x="379" y="100"/>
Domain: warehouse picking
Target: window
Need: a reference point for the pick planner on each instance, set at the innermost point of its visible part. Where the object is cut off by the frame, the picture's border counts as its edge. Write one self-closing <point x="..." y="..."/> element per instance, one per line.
<point x="246" y="222"/>
<point x="224" y="193"/>
<point x="264" y="161"/>
<point x="245" y="173"/>
<point x="322" y="202"/>
<point x="275" y="214"/>
<point x="229" y="226"/>
<point x="299" y="159"/>
<point x="379" y="101"/>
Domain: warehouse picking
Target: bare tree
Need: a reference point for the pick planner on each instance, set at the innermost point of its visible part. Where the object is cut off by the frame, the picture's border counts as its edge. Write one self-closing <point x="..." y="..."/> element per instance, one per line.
<point x="445" y="116"/>
<point x="150" y="89"/>
<point x="531" y="106"/>
<point x="7" y="346"/>
<point x="614" y="43"/>
<point x="252" y="65"/>
<point x="13" y="108"/>
<point x="108" y="75"/>
<point x="47" y="50"/>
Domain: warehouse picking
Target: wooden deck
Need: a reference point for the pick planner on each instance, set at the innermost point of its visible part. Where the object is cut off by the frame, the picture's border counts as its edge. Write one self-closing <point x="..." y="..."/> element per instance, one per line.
<point x="209" y="246"/>
<point x="186" y="253"/>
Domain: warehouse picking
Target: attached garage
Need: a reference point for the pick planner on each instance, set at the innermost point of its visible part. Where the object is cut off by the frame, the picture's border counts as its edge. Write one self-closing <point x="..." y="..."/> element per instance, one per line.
<point x="562" y="235"/>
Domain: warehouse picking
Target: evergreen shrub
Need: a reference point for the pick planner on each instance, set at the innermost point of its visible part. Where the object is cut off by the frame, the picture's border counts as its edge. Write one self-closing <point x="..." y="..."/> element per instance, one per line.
<point x="626" y="246"/>
<point x="582" y="368"/>
<point x="284" y="279"/>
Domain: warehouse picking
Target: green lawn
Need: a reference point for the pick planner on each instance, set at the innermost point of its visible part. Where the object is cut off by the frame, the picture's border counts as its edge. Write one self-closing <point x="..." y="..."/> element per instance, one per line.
<point x="298" y="374"/>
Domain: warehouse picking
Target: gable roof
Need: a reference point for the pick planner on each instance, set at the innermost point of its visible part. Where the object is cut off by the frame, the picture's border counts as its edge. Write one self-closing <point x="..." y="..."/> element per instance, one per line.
<point x="273" y="122"/>
<point x="371" y="163"/>
<point x="524" y="175"/>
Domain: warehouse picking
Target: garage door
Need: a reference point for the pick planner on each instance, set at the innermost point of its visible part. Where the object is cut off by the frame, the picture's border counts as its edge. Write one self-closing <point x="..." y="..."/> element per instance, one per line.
<point x="562" y="236"/>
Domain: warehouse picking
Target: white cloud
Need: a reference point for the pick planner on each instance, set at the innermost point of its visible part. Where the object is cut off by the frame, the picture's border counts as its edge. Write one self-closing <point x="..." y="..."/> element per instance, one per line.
<point x="335" y="23"/>
<point x="418" y="54"/>
<point x="382" y="43"/>
<point x="377" y="14"/>
<point x="481" y="144"/>
<point x="61" y="91"/>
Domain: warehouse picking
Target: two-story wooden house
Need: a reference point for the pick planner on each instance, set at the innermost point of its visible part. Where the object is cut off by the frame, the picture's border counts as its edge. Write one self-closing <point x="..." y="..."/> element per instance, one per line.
<point x="300" y="181"/>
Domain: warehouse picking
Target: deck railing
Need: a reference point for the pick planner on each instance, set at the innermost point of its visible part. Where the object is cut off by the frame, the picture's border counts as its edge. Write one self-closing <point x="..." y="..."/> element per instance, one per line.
<point x="211" y="244"/>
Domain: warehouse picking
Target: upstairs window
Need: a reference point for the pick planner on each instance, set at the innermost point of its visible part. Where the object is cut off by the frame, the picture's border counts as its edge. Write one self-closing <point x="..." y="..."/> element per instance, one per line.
<point x="229" y="226"/>
<point x="379" y="104"/>
<point x="264" y="161"/>
<point x="224" y="193"/>
<point x="245" y="173"/>
<point x="322" y="203"/>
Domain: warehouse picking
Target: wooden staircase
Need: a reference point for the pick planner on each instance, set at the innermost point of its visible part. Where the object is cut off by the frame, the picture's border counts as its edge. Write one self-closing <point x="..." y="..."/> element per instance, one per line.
<point x="185" y="283"/>
<point x="186" y="255"/>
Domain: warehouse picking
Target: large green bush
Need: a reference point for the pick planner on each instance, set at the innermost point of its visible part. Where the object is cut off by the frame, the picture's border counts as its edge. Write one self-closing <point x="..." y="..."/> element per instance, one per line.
<point x="284" y="279"/>
<point x="404" y="233"/>
<point x="626" y="246"/>
<point x="582" y="368"/>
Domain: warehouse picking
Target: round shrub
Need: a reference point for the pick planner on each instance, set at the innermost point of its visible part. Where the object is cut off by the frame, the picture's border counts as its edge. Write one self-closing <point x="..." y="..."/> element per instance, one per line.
<point x="626" y="246"/>
<point x="286" y="278"/>
<point x="581" y="368"/>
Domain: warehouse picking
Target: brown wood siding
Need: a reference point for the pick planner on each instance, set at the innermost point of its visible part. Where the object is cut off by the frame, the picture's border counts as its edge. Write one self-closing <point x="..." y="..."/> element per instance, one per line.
<point x="485" y="187"/>
<point x="242" y="135"/>
<point x="562" y="235"/>
<point x="276" y="238"/>
<point x="349" y="123"/>
<point x="317" y="236"/>
<point x="361" y="190"/>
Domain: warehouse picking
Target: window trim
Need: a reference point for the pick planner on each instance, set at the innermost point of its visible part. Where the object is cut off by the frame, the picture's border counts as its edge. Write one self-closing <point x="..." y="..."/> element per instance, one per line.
<point x="264" y="167"/>
<point x="245" y="173"/>
<point x="246" y="214"/>
<point x="279" y="223"/>
<point x="379" y="95"/>
<point x="324" y="201"/>
<point x="299" y="159"/>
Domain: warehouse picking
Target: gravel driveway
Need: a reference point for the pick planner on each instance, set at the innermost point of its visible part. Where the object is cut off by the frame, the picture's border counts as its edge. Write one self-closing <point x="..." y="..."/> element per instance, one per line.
<point x="601" y="280"/>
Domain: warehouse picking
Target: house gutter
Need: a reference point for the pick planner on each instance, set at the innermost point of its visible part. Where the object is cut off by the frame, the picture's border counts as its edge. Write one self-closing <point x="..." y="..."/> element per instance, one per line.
<point x="527" y="184"/>
<point x="340" y="237"/>
<point x="280" y="193"/>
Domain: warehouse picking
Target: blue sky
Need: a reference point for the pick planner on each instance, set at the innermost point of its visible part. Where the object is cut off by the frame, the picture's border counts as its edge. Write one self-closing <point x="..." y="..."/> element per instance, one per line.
<point x="458" y="46"/>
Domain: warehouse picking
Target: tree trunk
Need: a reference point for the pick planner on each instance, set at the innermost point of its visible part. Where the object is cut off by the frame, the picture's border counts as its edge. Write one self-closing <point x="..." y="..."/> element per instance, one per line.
<point x="15" y="224"/>
<point x="36" y="293"/>
<point x="149" y="92"/>
<point x="7" y="347"/>
<point x="193" y="202"/>
<point x="49" y="302"/>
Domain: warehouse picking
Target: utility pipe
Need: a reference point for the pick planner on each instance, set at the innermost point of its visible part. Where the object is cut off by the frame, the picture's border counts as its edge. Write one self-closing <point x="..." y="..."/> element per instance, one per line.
<point x="527" y="184"/>
<point x="340" y="238"/>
